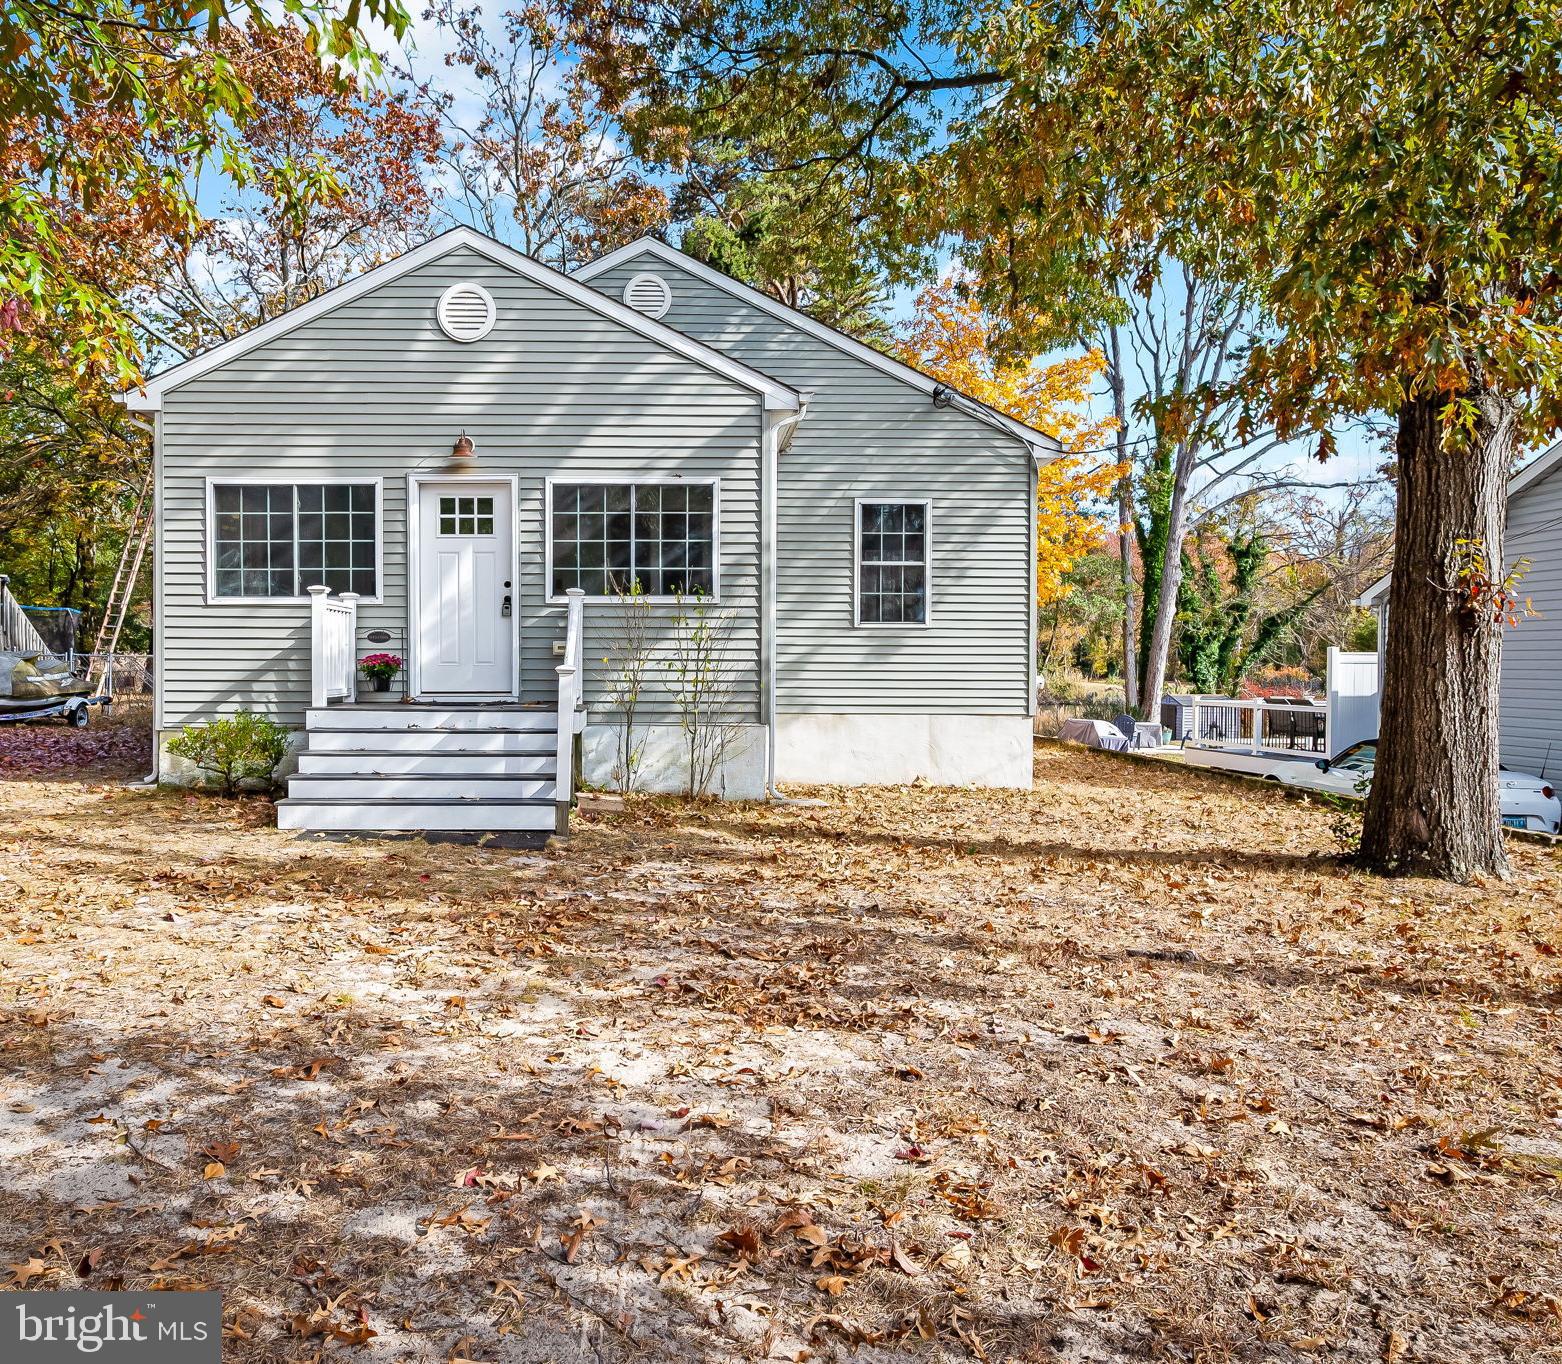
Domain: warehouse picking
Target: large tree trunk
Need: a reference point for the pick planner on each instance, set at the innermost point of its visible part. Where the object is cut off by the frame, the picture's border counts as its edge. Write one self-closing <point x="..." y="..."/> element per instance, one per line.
<point x="1170" y="583"/>
<point x="1125" y="550"/>
<point x="1433" y="805"/>
<point x="1125" y="525"/>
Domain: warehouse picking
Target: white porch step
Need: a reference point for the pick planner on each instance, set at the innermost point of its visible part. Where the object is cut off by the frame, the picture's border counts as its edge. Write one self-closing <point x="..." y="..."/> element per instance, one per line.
<point x="341" y="740"/>
<point x="423" y="786"/>
<point x="416" y="816"/>
<point x="413" y="717"/>
<point x="374" y="762"/>
<point x="425" y="769"/>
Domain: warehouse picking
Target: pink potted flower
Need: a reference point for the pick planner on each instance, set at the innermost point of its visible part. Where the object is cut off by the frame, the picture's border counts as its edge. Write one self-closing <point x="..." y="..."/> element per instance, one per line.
<point x="380" y="668"/>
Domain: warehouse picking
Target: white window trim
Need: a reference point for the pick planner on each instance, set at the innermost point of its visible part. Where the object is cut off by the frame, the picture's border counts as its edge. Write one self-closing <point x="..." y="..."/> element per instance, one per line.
<point x="895" y="499"/>
<point x="621" y="480"/>
<point x="215" y="481"/>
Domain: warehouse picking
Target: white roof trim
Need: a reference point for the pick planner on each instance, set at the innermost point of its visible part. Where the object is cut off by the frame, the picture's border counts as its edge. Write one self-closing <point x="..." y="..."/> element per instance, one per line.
<point x="1536" y="469"/>
<point x="149" y="398"/>
<point x="1045" y="447"/>
<point x="1543" y="464"/>
<point x="1369" y="598"/>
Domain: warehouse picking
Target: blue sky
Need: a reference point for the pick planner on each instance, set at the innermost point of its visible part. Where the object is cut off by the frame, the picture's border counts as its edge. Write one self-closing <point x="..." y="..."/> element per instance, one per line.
<point x="423" y="50"/>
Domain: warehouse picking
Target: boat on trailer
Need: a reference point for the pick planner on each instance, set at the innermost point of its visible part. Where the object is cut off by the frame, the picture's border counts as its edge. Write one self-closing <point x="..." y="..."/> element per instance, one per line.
<point x="36" y="686"/>
<point x="37" y="681"/>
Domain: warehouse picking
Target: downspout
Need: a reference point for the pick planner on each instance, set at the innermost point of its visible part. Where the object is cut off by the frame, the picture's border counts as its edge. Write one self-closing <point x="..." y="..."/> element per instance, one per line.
<point x="155" y="775"/>
<point x="778" y="436"/>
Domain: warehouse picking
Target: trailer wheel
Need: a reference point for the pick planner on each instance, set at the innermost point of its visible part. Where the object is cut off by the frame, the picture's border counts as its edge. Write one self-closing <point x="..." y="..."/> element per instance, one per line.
<point x="80" y="717"/>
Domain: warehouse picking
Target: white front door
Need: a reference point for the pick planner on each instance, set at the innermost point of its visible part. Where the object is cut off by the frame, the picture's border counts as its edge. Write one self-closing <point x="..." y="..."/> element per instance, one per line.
<point x="465" y="635"/>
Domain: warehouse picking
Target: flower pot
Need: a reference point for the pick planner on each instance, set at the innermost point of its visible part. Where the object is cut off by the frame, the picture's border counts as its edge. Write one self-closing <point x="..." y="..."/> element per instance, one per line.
<point x="381" y="683"/>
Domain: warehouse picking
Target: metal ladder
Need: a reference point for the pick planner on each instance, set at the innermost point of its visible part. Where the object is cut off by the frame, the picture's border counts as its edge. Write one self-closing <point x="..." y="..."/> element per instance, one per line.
<point x="137" y="536"/>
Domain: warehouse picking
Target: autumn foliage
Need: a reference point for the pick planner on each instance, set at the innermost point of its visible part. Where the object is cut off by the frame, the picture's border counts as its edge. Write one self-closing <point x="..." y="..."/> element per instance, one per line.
<point x="950" y="339"/>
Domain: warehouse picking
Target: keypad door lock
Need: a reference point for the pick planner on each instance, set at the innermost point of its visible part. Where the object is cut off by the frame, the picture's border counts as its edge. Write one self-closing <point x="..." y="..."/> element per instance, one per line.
<point x="504" y="606"/>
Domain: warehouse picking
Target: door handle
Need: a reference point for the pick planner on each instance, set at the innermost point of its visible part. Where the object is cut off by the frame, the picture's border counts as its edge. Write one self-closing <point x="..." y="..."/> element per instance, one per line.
<point x="504" y="606"/>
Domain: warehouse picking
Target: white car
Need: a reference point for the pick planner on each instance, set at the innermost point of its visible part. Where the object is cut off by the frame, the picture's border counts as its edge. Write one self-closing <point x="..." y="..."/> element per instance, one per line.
<point x="1526" y="802"/>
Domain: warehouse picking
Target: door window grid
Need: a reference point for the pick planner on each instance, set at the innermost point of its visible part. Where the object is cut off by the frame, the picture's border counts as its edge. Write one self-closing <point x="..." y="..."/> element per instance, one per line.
<point x="607" y="537"/>
<point x="892" y="568"/>
<point x="278" y="539"/>
<point x="466" y="516"/>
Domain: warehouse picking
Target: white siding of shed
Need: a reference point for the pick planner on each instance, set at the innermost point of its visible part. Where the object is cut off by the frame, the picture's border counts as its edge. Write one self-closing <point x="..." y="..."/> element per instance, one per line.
<point x="1531" y="690"/>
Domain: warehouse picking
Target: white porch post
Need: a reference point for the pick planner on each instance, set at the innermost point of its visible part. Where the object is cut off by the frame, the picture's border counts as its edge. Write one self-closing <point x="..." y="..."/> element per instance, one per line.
<point x="571" y="673"/>
<point x="318" y="648"/>
<point x="350" y="601"/>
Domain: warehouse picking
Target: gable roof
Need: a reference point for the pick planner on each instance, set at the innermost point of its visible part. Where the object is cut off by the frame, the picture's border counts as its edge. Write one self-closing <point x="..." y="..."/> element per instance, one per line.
<point x="1536" y="469"/>
<point x="1044" y="447"/>
<point x="1544" y="463"/>
<point x="149" y="398"/>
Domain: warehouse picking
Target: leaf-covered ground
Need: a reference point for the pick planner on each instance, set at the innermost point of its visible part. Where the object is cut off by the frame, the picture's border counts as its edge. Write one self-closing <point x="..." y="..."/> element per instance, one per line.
<point x="1125" y="1068"/>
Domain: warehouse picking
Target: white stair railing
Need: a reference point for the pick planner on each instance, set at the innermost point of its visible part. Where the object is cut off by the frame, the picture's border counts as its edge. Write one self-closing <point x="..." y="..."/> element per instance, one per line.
<point x="572" y="714"/>
<point x="16" y="630"/>
<point x="333" y="639"/>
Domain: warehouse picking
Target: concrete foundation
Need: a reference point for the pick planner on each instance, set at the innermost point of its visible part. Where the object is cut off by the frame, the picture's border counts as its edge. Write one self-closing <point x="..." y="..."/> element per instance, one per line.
<point x="890" y="750"/>
<point x="664" y="765"/>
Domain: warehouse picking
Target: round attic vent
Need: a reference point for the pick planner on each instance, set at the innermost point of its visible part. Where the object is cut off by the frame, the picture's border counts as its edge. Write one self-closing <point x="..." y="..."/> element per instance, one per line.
<point x="466" y="312"/>
<point x="648" y="294"/>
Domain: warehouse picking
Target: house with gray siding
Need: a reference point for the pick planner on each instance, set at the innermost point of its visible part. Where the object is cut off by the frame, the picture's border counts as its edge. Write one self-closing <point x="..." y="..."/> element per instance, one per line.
<point x="1530" y="688"/>
<point x="466" y="459"/>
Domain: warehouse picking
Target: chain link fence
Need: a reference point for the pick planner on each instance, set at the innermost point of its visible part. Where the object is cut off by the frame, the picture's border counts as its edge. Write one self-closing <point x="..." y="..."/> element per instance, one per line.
<point x="129" y="674"/>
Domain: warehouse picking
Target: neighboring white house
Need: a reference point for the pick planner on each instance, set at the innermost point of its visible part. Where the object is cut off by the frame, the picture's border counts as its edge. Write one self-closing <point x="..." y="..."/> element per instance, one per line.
<point x="459" y="456"/>
<point x="1530" y="690"/>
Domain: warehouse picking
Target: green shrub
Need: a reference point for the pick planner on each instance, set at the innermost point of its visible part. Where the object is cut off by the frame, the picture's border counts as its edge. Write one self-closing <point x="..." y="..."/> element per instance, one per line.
<point x="241" y="747"/>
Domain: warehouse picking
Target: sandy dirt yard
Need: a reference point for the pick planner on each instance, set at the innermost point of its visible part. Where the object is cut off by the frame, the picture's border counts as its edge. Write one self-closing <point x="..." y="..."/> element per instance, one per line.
<point x="1124" y="1068"/>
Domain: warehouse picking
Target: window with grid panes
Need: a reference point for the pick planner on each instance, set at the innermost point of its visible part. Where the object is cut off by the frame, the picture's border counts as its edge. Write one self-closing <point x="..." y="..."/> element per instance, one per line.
<point x="892" y="564"/>
<point x="466" y="516"/>
<point x="608" y="536"/>
<point x="280" y="539"/>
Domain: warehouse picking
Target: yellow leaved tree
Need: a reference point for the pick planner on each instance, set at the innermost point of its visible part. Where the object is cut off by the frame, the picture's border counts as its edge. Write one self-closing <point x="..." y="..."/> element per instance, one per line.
<point x="950" y="339"/>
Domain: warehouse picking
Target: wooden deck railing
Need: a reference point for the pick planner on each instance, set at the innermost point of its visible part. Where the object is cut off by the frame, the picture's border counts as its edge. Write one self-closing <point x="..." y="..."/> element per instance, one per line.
<point x="333" y="647"/>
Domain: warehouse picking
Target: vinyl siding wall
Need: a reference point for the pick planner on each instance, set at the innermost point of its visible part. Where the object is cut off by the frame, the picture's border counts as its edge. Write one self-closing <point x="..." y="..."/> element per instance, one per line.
<point x="1530" y="714"/>
<point x="375" y="389"/>
<point x="868" y="434"/>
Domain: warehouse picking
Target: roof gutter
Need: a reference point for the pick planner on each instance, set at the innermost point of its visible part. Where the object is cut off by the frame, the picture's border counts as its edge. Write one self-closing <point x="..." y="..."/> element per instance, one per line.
<point x="1044" y="448"/>
<point x="153" y="777"/>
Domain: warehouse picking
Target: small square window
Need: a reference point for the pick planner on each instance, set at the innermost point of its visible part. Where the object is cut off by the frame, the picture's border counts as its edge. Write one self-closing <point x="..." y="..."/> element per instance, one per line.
<point x="459" y="515"/>
<point x="892" y="563"/>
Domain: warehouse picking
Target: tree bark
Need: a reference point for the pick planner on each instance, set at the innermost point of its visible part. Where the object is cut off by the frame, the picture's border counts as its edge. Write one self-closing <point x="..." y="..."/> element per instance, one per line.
<point x="1170" y="583"/>
<point x="1125" y="525"/>
<point x="1433" y="806"/>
